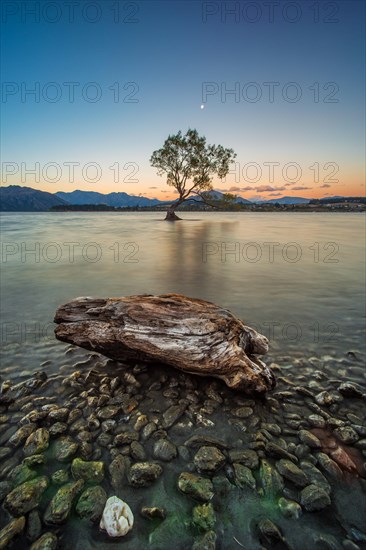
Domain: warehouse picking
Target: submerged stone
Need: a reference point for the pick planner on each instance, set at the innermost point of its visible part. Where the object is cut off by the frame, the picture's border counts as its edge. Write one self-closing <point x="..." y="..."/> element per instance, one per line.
<point x="65" y="448"/>
<point x="289" y="508"/>
<point x="60" y="506"/>
<point x="292" y="472"/>
<point x="48" y="541"/>
<point x="243" y="476"/>
<point x="91" y="503"/>
<point x="197" y="487"/>
<point x="143" y="474"/>
<point x="207" y="542"/>
<point x="164" y="450"/>
<point x="37" y="442"/>
<point x="91" y="471"/>
<point x="10" y="531"/>
<point x="314" y="498"/>
<point x="153" y="512"/>
<point x="204" y="517"/>
<point x="271" y="480"/>
<point x="25" y="497"/>
<point x="208" y="459"/>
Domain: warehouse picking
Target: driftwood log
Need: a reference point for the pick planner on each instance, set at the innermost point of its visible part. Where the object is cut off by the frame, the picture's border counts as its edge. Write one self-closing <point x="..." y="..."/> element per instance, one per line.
<point x="191" y="335"/>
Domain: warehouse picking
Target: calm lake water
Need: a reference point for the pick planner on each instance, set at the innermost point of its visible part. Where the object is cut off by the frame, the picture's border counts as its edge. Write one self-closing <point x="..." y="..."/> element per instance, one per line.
<point x="297" y="278"/>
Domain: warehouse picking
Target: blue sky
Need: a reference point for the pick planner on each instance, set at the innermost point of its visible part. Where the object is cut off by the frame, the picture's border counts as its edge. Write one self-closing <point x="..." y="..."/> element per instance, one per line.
<point x="168" y="50"/>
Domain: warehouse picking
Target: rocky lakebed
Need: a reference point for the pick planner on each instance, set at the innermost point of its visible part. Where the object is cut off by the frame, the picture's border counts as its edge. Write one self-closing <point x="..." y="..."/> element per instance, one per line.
<point x="199" y="465"/>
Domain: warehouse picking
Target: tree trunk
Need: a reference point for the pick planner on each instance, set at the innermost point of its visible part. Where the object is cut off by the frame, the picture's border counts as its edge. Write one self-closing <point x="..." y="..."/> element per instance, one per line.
<point x="191" y="335"/>
<point x="171" y="215"/>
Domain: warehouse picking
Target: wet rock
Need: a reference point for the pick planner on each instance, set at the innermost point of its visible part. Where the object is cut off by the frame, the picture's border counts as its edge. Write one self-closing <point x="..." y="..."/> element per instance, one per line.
<point x="118" y="470"/>
<point x="243" y="476"/>
<point x="104" y="439"/>
<point x="25" y="497"/>
<point x="289" y="508"/>
<point x="37" y="442"/>
<point x="153" y="512"/>
<point x="34" y="526"/>
<point x="60" y="477"/>
<point x="204" y="517"/>
<point x="91" y="503"/>
<point x="292" y="472"/>
<point x="197" y="487"/>
<point x="314" y="476"/>
<point x="5" y="488"/>
<point x="34" y="460"/>
<point x="5" y="452"/>
<point x="21" y="435"/>
<point x="65" y="448"/>
<point x="48" y="541"/>
<point x="141" y="421"/>
<point x="269" y="531"/>
<point x="242" y="412"/>
<point x="347" y="435"/>
<point x="125" y="438"/>
<point x="20" y="474"/>
<point x="316" y="421"/>
<point x="349" y="389"/>
<point x="206" y="542"/>
<point x="164" y="450"/>
<point x="198" y="440"/>
<point x="137" y="451"/>
<point x="143" y="474"/>
<point x="60" y="506"/>
<point x="108" y="412"/>
<point x="314" y="498"/>
<point x="208" y="459"/>
<point x="247" y="457"/>
<point x="90" y="471"/>
<point x="59" y="415"/>
<point x="172" y="414"/>
<point x="10" y="531"/>
<point x="329" y="466"/>
<point x="57" y="429"/>
<point x="148" y="430"/>
<point x="117" y="517"/>
<point x="272" y="449"/>
<point x="273" y="429"/>
<point x="325" y="398"/>
<point x="270" y="479"/>
<point x="309" y="439"/>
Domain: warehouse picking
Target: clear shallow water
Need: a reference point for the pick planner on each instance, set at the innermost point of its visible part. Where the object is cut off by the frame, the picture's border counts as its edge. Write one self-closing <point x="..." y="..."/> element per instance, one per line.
<point x="298" y="278"/>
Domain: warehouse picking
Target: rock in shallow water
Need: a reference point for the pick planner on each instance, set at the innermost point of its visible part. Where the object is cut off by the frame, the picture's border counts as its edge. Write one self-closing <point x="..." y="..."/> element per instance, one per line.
<point x="189" y="334"/>
<point x="143" y="474"/>
<point x="314" y="498"/>
<point x="92" y="472"/>
<point x="91" y="503"/>
<point x="197" y="487"/>
<point x="60" y="506"/>
<point x="25" y="497"/>
<point x="117" y="517"/>
<point x="10" y="531"/>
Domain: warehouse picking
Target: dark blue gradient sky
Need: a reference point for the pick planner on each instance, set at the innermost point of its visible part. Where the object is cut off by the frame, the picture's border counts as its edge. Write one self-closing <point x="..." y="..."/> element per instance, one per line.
<point x="169" y="50"/>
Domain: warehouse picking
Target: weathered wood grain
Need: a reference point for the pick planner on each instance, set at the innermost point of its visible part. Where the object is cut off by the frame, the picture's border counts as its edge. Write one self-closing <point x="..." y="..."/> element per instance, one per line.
<point x="191" y="335"/>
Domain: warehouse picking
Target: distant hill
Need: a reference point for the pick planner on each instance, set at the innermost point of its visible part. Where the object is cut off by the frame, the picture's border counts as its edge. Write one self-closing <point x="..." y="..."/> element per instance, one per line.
<point x="287" y="200"/>
<point x="15" y="198"/>
<point x="117" y="200"/>
<point x="217" y="195"/>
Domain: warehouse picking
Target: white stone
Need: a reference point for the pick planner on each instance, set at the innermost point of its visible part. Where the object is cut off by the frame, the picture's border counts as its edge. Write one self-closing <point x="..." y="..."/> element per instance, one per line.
<point x="117" y="518"/>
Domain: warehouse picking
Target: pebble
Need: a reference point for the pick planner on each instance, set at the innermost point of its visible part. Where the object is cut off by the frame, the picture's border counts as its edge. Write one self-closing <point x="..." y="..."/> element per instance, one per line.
<point x="314" y="498"/>
<point x="164" y="450"/>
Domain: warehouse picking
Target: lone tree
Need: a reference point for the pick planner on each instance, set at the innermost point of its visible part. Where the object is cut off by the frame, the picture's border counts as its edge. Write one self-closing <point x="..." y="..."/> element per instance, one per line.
<point x="190" y="164"/>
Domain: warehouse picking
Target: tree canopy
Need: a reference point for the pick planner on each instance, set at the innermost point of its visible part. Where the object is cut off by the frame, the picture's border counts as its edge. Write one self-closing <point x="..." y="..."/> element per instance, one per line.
<point x="190" y="164"/>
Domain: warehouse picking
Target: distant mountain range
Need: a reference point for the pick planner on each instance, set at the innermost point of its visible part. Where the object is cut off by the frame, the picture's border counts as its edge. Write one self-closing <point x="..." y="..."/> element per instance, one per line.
<point x="118" y="200"/>
<point x="24" y="199"/>
<point x="286" y="200"/>
<point x="15" y="198"/>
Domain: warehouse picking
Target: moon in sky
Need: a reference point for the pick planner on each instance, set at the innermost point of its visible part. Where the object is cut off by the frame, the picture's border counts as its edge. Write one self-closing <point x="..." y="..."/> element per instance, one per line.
<point x="202" y="106"/>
